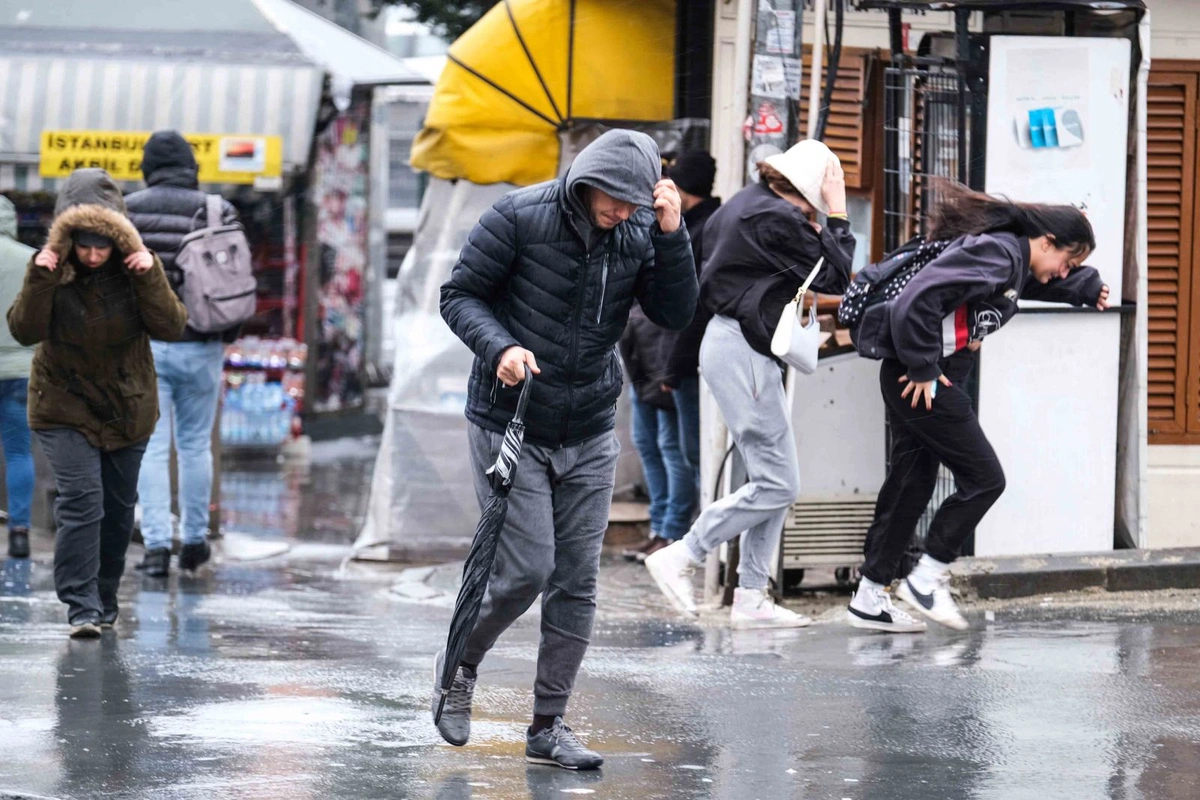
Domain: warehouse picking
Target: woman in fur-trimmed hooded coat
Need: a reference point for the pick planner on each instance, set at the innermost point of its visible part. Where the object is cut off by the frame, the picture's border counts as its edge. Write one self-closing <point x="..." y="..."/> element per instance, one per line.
<point x="91" y="301"/>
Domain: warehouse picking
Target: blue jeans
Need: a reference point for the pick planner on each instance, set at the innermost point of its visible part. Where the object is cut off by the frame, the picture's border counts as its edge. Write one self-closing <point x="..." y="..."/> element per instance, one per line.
<point x="18" y="457"/>
<point x="189" y="389"/>
<point x="687" y="407"/>
<point x="669" y="479"/>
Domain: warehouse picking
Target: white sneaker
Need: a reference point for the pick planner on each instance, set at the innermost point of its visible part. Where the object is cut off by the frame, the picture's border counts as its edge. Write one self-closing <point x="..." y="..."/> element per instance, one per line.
<point x="755" y="608"/>
<point x="872" y="609"/>
<point x="934" y="603"/>
<point x="672" y="569"/>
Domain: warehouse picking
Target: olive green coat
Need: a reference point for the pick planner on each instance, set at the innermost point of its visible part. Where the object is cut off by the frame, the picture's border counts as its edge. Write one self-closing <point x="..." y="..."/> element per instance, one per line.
<point x="93" y="370"/>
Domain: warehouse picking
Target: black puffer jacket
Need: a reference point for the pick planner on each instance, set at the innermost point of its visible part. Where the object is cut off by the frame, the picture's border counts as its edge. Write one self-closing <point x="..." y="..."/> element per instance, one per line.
<point x="526" y="277"/>
<point x="171" y="207"/>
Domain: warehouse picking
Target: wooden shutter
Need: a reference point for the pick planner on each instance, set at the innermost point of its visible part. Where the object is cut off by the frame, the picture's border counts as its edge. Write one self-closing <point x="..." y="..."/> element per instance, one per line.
<point x="1171" y="102"/>
<point x="853" y="111"/>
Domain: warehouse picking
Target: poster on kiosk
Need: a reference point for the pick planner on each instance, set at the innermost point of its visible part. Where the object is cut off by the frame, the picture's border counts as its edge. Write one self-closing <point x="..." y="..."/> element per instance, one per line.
<point x="1058" y="118"/>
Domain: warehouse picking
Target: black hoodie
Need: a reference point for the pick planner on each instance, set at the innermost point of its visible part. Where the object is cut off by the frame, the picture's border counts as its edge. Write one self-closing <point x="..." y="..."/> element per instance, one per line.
<point x="963" y="295"/>
<point x="758" y="249"/>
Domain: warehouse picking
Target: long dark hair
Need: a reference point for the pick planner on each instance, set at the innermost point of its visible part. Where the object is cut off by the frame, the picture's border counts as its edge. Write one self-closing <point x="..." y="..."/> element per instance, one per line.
<point x="961" y="212"/>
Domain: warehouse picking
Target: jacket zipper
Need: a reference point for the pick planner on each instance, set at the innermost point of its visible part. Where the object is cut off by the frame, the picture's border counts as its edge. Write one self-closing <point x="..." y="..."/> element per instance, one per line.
<point x="603" y="288"/>
<point x="581" y="284"/>
<point x="233" y="296"/>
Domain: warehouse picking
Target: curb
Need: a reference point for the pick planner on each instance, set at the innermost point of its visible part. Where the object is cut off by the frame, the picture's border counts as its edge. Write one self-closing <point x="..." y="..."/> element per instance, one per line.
<point x="1115" y="571"/>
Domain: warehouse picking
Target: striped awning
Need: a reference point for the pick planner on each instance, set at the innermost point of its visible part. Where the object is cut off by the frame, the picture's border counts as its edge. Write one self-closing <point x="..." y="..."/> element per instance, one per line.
<point x="62" y="93"/>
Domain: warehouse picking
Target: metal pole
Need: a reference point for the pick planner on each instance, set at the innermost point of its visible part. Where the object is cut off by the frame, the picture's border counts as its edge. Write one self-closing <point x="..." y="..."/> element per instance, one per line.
<point x="818" y="57"/>
<point x="962" y="40"/>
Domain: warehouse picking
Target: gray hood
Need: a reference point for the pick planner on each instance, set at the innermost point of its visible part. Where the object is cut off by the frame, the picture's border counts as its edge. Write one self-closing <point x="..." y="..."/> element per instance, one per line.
<point x="8" y="218"/>
<point x="624" y="164"/>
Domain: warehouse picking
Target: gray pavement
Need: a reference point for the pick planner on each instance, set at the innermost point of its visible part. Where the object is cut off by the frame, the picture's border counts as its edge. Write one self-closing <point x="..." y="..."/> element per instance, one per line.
<point x="292" y="677"/>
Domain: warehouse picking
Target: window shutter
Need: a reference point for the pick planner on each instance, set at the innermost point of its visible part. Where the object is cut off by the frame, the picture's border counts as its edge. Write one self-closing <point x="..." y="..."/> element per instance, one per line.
<point x="853" y="111"/>
<point x="1171" y="102"/>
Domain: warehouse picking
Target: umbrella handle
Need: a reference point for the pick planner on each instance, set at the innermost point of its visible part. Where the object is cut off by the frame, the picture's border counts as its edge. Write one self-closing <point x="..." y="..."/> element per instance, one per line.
<point x="523" y="400"/>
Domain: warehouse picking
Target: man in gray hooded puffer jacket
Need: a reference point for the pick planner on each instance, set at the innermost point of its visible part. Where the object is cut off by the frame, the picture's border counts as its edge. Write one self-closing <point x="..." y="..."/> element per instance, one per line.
<point x="545" y="282"/>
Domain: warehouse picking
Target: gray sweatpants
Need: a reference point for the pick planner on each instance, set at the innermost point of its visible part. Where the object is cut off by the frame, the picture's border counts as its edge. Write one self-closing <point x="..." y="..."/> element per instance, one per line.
<point x="749" y="390"/>
<point x="550" y="545"/>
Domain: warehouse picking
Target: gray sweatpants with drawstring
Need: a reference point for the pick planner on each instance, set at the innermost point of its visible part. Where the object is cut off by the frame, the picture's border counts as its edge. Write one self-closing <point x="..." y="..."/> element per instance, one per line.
<point x="550" y="545"/>
<point x="749" y="390"/>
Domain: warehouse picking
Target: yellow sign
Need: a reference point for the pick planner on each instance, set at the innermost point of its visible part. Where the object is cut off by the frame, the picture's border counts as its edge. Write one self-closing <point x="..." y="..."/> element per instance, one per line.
<point x="222" y="158"/>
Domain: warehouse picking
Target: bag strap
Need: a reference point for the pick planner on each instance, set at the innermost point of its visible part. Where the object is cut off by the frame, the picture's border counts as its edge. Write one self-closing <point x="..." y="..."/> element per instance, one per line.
<point x="808" y="281"/>
<point x="213" y="205"/>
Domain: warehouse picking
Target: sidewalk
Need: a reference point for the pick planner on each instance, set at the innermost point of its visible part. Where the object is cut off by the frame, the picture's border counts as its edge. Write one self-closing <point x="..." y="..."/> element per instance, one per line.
<point x="1114" y="571"/>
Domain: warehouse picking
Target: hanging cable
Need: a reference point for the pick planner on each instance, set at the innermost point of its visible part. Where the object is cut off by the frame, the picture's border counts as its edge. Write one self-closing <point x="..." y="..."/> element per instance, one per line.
<point x="835" y="56"/>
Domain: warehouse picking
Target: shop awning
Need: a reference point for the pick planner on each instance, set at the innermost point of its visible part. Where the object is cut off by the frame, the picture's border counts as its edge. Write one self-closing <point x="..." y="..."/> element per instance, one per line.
<point x="248" y="67"/>
<point x="40" y="93"/>
<point x="529" y="69"/>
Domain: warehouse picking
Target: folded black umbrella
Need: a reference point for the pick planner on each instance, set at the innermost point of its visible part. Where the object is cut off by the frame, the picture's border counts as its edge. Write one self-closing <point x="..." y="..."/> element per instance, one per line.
<point x="478" y="567"/>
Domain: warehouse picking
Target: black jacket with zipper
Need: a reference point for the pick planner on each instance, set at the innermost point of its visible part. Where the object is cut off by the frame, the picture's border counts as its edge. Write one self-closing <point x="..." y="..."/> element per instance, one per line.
<point x="963" y="295"/>
<point x="758" y="249"/>
<point x="528" y="277"/>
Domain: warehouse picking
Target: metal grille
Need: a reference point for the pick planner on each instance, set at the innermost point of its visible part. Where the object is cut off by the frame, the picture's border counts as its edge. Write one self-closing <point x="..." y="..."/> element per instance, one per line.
<point x="924" y="126"/>
<point x="827" y="531"/>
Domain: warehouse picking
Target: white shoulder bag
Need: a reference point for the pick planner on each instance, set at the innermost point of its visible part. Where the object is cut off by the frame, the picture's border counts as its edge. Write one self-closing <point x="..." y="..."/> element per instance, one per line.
<point x="795" y="343"/>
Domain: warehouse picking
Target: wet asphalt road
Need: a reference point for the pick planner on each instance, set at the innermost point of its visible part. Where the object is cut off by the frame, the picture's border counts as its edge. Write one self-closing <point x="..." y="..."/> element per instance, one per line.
<point x="287" y="678"/>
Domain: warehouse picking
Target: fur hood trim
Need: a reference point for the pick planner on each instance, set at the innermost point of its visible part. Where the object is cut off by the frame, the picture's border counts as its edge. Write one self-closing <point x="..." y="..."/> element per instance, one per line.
<point x="94" y="218"/>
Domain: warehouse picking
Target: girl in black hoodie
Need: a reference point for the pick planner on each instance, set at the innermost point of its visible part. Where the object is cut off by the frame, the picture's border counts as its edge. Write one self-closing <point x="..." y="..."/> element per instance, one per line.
<point x="1001" y="251"/>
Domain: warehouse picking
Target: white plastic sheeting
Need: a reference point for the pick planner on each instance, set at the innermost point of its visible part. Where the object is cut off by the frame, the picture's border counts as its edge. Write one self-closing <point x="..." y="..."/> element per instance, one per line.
<point x="422" y="500"/>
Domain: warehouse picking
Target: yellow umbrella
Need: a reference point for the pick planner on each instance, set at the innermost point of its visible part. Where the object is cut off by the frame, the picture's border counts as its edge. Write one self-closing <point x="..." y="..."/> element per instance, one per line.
<point x="529" y="69"/>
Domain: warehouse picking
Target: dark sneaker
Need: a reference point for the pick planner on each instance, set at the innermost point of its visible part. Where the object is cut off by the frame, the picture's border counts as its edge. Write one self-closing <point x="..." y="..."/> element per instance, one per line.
<point x="85" y="629"/>
<point x="455" y="725"/>
<point x="193" y="556"/>
<point x="558" y="747"/>
<point x="656" y="544"/>
<point x="18" y="542"/>
<point x="108" y="601"/>
<point x="156" y="563"/>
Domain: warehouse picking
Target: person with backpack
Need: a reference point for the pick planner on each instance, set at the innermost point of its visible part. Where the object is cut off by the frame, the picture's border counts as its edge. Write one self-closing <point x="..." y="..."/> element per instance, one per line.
<point x="91" y="301"/>
<point x="173" y="216"/>
<point x="926" y="316"/>
<point x="759" y="248"/>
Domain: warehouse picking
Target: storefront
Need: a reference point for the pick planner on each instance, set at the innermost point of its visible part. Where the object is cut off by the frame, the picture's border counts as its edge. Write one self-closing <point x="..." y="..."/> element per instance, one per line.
<point x="276" y="102"/>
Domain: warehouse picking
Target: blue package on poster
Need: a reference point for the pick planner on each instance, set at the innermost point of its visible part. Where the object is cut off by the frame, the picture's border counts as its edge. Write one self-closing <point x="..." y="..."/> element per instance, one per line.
<point x="1050" y="127"/>
<point x="1037" y="137"/>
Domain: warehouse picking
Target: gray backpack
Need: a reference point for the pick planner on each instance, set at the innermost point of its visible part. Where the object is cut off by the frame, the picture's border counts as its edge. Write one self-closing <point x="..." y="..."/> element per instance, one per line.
<point x="219" y="289"/>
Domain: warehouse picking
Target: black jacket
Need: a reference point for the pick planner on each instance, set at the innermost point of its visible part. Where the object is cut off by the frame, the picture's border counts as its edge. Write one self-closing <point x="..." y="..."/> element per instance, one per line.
<point x="681" y="356"/>
<point x="758" y="249"/>
<point x="171" y="207"/>
<point x="966" y="293"/>
<point x="525" y="277"/>
<point x="643" y="347"/>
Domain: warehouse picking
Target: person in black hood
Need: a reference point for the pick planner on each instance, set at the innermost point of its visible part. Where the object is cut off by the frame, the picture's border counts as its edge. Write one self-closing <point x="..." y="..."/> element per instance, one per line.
<point x="189" y="371"/>
<point x="545" y="283"/>
<point x="998" y="251"/>
<point x="694" y="172"/>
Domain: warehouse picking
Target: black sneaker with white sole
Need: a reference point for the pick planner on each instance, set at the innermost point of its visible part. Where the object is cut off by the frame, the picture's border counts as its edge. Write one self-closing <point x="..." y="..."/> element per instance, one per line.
<point x="558" y="747"/>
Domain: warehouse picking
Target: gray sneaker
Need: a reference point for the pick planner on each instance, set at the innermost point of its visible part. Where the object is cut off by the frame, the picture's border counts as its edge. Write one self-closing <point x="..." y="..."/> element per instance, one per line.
<point x="558" y="747"/>
<point x="455" y="726"/>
